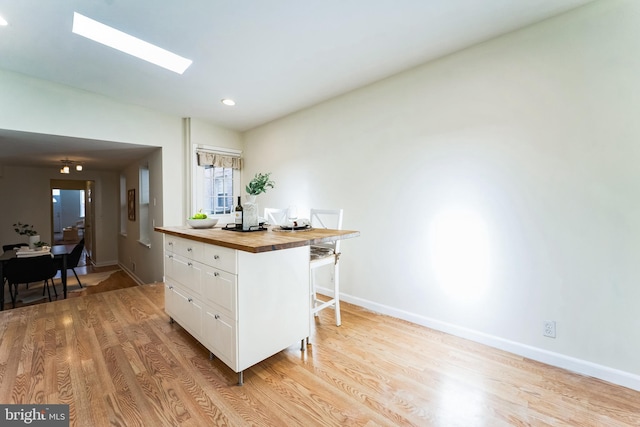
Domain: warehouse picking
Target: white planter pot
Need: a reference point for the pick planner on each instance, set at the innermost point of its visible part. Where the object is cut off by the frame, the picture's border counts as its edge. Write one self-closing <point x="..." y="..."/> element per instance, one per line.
<point x="33" y="240"/>
<point x="249" y="213"/>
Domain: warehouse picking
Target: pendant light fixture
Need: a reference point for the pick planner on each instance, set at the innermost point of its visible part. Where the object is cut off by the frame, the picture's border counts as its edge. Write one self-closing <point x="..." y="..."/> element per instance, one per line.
<point x="66" y="166"/>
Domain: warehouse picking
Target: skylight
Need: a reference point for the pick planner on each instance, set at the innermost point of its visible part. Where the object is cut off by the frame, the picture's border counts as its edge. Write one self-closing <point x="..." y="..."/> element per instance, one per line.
<point x="116" y="39"/>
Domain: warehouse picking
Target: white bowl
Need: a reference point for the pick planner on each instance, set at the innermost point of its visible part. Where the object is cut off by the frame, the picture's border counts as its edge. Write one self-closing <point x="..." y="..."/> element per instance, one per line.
<point x="202" y="223"/>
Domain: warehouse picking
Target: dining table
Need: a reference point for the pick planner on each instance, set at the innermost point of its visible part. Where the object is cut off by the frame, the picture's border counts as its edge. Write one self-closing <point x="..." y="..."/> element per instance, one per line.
<point x="60" y="252"/>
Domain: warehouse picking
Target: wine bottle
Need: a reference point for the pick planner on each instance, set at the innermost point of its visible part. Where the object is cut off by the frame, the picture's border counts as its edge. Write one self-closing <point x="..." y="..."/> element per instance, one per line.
<point x="238" y="214"/>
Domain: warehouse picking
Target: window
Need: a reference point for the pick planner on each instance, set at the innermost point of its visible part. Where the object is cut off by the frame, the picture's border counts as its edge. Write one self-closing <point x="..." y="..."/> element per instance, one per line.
<point x="81" y="214"/>
<point x="216" y="181"/>
<point x="144" y="214"/>
<point x="218" y="190"/>
<point x="123" y="205"/>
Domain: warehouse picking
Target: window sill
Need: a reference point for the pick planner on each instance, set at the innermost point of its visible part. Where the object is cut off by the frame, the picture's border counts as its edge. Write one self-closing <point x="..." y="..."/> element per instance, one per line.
<point x="145" y="244"/>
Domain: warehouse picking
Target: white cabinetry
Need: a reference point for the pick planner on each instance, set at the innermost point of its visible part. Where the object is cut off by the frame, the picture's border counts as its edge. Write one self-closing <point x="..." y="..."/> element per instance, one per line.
<point x="242" y="306"/>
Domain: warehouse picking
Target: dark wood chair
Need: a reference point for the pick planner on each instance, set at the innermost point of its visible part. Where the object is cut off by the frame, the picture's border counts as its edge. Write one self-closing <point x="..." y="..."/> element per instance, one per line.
<point x="73" y="259"/>
<point x="30" y="270"/>
<point x="15" y="245"/>
<point x="6" y="248"/>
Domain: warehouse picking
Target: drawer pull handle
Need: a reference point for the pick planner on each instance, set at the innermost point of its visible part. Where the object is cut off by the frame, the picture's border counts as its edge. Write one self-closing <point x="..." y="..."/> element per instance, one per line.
<point x="217" y="316"/>
<point x="216" y="257"/>
<point x="170" y="256"/>
<point x="216" y="274"/>
<point x="190" y="300"/>
<point x="190" y="264"/>
<point x="171" y="287"/>
<point x="189" y="249"/>
<point x="170" y="243"/>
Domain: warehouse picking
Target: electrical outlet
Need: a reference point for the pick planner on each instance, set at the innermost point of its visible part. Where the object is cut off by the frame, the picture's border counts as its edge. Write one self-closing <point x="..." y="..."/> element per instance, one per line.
<point x="549" y="328"/>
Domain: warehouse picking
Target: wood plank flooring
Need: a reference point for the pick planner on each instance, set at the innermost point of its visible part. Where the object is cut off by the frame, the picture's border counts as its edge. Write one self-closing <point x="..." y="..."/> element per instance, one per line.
<point x="117" y="361"/>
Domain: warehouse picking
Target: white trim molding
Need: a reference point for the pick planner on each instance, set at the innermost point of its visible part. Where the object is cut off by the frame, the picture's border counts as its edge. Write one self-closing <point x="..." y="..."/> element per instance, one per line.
<point x="605" y="373"/>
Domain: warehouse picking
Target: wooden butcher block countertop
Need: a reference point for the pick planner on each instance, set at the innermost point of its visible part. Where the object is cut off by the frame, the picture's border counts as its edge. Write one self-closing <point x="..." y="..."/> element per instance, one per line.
<point x="272" y="239"/>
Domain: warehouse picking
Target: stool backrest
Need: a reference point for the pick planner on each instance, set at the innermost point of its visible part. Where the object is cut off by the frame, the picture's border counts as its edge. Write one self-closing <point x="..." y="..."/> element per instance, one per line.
<point x="275" y="216"/>
<point x="327" y="218"/>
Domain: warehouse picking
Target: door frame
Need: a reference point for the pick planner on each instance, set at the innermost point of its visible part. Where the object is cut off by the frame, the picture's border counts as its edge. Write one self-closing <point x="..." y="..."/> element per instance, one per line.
<point x="89" y="215"/>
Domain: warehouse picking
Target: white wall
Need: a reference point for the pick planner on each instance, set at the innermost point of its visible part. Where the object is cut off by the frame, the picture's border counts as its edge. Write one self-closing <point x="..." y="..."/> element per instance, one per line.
<point x="143" y="261"/>
<point x="494" y="189"/>
<point x="32" y="105"/>
<point x="26" y="193"/>
<point x="204" y="133"/>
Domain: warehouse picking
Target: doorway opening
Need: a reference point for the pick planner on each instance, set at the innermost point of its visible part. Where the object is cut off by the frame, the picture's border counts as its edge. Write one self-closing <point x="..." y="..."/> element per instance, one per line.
<point x="72" y="214"/>
<point x="68" y="216"/>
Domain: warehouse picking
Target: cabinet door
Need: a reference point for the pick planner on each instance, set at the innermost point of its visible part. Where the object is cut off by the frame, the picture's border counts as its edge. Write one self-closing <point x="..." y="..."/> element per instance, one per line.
<point x="168" y="265"/>
<point x="219" y="290"/>
<point x="187" y="310"/>
<point x="220" y="336"/>
<point x="170" y="300"/>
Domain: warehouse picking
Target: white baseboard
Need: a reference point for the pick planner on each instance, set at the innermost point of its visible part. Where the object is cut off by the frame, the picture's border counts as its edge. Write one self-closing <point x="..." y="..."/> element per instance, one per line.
<point x="573" y="364"/>
<point x="105" y="263"/>
<point x="131" y="274"/>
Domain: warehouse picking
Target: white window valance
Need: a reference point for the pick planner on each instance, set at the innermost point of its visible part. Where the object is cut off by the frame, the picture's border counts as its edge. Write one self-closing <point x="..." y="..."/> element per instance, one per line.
<point x="209" y="158"/>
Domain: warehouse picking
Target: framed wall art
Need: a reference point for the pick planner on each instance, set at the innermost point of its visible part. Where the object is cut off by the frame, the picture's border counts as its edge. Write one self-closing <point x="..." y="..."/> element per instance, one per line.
<point x="131" y="199"/>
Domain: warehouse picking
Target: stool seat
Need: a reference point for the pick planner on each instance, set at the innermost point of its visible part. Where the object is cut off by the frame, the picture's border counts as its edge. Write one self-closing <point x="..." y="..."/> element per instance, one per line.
<point x="318" y="252"/>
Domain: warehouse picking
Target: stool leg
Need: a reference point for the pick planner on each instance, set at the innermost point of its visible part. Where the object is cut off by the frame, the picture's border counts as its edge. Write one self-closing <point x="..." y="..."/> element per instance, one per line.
<point x="336" y="293"/>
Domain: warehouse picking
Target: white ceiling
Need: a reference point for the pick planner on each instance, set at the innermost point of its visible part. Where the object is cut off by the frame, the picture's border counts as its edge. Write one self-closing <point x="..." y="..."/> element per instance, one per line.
<point x="273" y="57"/>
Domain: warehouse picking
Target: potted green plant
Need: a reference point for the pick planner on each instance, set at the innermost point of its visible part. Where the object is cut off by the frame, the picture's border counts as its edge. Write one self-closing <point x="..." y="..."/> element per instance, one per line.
<point x="24" y="229"/>
<point x="41" y="246"/>
<point x="27" y="230"/>
<point x="259" y="184"/>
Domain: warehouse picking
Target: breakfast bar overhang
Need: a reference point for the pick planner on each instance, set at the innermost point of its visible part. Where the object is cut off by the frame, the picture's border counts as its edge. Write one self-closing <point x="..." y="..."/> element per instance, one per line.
<point x="244" y="295"/>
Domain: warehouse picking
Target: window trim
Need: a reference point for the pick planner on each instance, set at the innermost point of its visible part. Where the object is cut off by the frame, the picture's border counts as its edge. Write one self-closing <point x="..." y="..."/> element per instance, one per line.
<point x="197" y="178"/>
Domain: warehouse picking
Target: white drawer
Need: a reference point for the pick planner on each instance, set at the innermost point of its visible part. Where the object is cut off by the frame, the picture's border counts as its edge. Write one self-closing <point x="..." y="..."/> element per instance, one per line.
<point x="219" y="290"/>
<point x="184" y="247"/>
<point x="221" y="258"/>
<point x="184" y="308"/>
<point x="189" y="249"/>
<point x="185" y="271"/>
<point x="169" y="242"/>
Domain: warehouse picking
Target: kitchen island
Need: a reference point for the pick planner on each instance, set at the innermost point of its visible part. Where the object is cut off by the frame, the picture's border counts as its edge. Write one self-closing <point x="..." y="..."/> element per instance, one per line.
<point x="244" y="295"/>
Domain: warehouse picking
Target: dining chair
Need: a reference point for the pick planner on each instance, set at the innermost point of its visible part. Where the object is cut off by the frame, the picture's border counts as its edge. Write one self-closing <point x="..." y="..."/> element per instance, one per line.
<point x="73" y="259"/>
<point x="6" y="248"/>
<point x="15" y="245"/>
<point x="30" y="270"/>
<point x="326" y="254"/>
<point x="275" y="216"/>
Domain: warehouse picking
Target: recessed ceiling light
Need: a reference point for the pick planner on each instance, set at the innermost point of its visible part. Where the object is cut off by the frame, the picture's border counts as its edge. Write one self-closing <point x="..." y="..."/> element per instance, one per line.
<point x="116" y="39"/>
<point x="3" y="22"/>
<point x="229" y="102"/>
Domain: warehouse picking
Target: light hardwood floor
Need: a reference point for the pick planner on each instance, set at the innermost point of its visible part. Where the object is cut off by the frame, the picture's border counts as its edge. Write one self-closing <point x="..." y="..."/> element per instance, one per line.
<point x="116" y="360"/>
